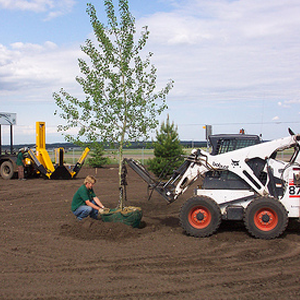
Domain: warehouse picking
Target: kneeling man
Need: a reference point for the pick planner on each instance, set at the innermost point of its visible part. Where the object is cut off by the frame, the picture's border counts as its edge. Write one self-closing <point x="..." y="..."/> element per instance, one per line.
<point x="85" y="202"/>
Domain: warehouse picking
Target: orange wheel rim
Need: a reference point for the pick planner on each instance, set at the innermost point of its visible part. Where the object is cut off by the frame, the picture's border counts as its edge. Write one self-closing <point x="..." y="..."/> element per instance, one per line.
<point x="199" y="217"/>
<point x="266" y="219"/>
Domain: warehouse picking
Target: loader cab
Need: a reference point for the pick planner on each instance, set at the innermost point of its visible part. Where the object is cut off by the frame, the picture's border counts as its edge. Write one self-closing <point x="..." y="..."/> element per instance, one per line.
<point x="222" y="143"/>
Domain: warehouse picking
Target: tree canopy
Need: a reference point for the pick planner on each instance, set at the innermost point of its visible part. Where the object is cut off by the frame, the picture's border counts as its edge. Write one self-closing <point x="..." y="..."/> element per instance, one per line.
<point x="120" y="85"/>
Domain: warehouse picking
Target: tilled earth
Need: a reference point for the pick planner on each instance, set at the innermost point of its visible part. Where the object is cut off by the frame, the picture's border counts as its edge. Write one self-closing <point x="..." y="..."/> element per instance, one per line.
<point x="47" y="254"/>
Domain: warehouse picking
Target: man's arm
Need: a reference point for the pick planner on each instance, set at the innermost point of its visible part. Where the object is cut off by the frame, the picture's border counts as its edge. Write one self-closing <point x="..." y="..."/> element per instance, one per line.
<point x="98" y="206"/>
<point x="96" y="199"/>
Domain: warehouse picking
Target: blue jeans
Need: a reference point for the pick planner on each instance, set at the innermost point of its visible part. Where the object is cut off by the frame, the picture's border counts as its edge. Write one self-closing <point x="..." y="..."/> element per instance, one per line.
<point x="84" y="211"/>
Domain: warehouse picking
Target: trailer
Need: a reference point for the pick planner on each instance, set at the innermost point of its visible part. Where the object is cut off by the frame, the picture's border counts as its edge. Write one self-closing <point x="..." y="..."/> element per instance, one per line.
<point x="8" y="157"/>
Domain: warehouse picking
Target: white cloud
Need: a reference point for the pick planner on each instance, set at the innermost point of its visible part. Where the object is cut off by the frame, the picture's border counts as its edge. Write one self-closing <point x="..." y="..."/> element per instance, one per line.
<point x="228" y="49"/>
<point x="26" y="68"/>
<point x="284" y="104"/>
<point x="53" y="8"/>
<point x="33" y="48"/>
<point x="226" y="20"/>
<point x="172" y="29"/>
<point x="289" y="103"/>
<point x="34" y="5"/>
<point x="292" y="101"/>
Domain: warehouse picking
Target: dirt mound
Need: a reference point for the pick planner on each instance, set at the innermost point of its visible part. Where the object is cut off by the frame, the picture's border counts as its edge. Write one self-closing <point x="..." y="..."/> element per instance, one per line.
<point x="90" y="229"/>
<point x="46" y="254"/>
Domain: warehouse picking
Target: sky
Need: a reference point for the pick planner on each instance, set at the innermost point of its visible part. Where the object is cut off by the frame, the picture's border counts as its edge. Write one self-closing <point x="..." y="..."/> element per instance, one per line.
<point x="235" y="63"/>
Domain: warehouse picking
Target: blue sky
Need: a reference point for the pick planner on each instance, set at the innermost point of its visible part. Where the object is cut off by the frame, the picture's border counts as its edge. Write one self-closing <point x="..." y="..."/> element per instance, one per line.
<point x="236" y="64"/>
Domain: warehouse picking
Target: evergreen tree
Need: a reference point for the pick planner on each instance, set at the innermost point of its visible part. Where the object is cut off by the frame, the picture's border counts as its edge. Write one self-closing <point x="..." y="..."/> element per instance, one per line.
<point x="167" y="151"/>
<point x="97" y="160"/>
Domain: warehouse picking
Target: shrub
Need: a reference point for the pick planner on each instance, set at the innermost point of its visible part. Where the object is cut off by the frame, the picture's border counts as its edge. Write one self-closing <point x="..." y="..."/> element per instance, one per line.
<point x="167" y="151"/>
<point x="97" y="160"/>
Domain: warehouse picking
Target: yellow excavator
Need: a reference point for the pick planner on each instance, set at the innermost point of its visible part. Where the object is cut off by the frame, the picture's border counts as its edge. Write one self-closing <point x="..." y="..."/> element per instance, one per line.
<point x="42" y="161"/>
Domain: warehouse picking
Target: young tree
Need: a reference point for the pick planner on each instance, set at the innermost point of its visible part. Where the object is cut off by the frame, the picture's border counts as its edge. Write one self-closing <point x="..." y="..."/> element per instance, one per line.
<point x="167" y="151"/>
<point x="121" y="102"/>
<point x="97" y="160"/>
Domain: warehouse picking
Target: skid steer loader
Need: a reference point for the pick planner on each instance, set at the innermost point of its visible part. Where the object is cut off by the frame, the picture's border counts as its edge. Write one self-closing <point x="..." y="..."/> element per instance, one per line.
<point x="243" y="179"/>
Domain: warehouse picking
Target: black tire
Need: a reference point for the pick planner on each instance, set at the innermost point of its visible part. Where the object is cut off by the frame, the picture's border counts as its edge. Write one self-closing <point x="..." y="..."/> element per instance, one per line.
<point x="200" y="216"/>
<point x="7" y="170"/>
<point x="266" y="218"/>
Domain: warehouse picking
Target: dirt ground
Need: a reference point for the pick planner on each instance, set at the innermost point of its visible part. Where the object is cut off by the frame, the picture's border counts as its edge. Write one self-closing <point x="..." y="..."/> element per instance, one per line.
<point x="47" y="254"/>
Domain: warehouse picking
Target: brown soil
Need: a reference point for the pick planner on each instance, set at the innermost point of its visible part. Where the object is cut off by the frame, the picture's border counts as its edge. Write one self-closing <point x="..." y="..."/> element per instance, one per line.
<point x="47" y="254"/>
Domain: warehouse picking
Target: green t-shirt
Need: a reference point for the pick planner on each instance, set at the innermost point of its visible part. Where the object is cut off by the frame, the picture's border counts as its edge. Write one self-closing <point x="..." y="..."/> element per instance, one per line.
<point x="82" y="195"/>
<point x="20" y="157"/>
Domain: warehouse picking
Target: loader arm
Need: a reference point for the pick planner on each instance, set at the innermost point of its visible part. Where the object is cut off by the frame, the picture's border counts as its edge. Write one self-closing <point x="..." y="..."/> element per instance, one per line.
<point x="181" y="179"/>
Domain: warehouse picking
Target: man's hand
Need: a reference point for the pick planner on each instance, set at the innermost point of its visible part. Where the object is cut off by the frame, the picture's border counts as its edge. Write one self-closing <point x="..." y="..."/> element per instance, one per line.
<point x="104" y="210"/>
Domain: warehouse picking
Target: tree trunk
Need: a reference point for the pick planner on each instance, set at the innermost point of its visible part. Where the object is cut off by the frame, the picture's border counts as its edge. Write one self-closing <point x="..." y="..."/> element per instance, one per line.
<point x="121" y="188"/>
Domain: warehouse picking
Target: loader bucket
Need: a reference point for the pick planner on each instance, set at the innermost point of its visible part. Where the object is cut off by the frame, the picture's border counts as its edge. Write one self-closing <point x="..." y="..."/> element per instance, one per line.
<point x="61" y="172"/>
